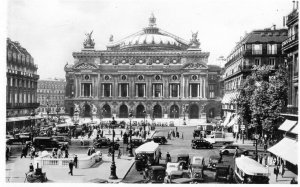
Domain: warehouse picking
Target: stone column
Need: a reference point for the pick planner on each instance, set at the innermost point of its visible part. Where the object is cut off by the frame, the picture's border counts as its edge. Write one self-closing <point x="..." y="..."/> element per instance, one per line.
<point x="90" y="85"/>
<point x="178" y="90"/>
<point x="127" y="90"/>
<point x="110" y="90"/>
<point x="198" y="90"/>
<point x="144" y="89"/>
<point x="170" y="90"/>
<point x="190" y="90"/>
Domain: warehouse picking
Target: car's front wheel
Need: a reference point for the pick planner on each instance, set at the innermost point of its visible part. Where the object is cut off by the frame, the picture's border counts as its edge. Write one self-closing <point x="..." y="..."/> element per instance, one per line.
<point x="226" y="152"/>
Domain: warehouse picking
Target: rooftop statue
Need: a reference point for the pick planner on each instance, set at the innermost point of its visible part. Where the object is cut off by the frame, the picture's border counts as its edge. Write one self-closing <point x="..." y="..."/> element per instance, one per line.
<point x="94" y="109"/>
<point x="194" y="42"/>
<point x="76" y="107"/>
<point x="111" y="38"/>
<point x="89" y="42"/>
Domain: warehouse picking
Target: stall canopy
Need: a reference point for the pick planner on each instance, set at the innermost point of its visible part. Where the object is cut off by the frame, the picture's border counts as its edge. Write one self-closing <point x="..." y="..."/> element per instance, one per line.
<point x="234" y="121"/>
<point x="295" y="130"/>
<point x="250" y="166"/>
<point x="286" y="149"/>
<point x="287" y="125"/>
<point x="22" y="118"/>
<point x="227" y="119"/>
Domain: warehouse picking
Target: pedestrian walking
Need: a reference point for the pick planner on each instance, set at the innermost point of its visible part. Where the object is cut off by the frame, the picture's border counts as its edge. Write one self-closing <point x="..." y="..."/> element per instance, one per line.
<point x="7" y="153"/>
<point x="24" y="152"/>
<point x="276" y="172"/>
<point x="66" y="153"/>
<point x="89" y="151"/>
<point x="31" y="168"/>
<point x="76" y="161"/>
<point x="182" y="136"/>
<point x="119" y="154"/>
<point x="221" y="157"/>
<point x="71" y="165"/>
<point x="121" y="133"/>
<point x="293" y="181"/>
<point x="236" y="153"/>
<point x="168" y="157"/>
<point x="32" y="152"/>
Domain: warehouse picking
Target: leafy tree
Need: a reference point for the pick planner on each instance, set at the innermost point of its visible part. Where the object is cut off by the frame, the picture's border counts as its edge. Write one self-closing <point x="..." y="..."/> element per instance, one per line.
<point x="262" y="97"/>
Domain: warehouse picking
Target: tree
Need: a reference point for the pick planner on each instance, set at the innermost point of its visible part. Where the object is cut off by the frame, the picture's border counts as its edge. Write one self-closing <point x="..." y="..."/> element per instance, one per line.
<point x="262" y="97"/>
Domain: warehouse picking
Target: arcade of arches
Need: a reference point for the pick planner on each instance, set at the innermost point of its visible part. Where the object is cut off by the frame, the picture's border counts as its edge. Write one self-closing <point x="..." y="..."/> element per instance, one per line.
<point x="156" y="111"/>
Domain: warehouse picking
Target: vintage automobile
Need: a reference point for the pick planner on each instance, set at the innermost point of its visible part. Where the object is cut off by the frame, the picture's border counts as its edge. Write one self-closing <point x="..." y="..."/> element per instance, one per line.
<point x="201" y="143"/>
<point x="147" y="154"/>
<point x="100" y="142"/>
<point x="173" y="175"/>
<point x="136" y="142"/>
<point x="10" y="139"/>
<point x="222" y="172"/>
<point x="45" y="143"/>
<point x="172" y="166"/>
<point x="183" y="160"/>
<point x="198" y="133"/>
<point x="197" y="168"/>
<point x="213" y="161"/>
<point x="63" y="139"/>
<point x="230" y="149"/>
<point x="160" y="139"/>
<point x="140" y="161"/>
<point x="154" y="174"/>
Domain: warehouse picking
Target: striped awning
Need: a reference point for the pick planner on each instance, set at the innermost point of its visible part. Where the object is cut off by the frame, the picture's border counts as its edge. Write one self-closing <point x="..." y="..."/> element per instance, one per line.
<point x="227" y="119"/>
<point x="229" y="97"/>
<point x="234" y="121"/>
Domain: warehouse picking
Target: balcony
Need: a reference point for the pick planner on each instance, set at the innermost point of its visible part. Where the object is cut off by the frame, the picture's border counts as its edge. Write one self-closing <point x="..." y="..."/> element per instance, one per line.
<point x="290" y="42"/>
<point x="290" y="111"/>
<point x="292" y="17"/>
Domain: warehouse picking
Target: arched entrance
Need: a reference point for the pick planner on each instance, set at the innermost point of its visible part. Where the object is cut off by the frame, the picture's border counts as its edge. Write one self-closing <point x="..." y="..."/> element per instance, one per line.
<point x="157" y="111"/>
<point x="194" y="112"/>
<point x="211" y="113"/>
<point x="106" y="112"/>
<point x="87" y="110"/>
<point x="139" y="111"/>
<point x="123" y="112"/>
<point x="174" y="111"/>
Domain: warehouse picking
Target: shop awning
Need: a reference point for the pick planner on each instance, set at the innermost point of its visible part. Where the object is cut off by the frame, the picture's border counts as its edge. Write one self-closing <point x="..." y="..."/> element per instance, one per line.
<point x="234" y="121"/>
<point x="287" y="125"/>
<point x="225" y="99"/>
<point x="286" y="149"/>
<point x="295" y="130"/>
<point x="227" y="119"/>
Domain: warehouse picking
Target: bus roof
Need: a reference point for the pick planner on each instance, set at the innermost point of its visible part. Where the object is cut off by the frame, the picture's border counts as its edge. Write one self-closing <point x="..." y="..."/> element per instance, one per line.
<point x="148" y="147"/>
<point x="250" y="166"/>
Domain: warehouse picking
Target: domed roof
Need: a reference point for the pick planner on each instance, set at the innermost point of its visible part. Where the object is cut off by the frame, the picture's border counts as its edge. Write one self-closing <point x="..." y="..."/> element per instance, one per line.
<point x="150" y="38"/>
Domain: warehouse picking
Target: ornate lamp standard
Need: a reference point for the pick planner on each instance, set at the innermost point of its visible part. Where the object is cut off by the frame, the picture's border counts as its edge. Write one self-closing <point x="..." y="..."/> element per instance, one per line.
<point x="184" y="110"/>
<point x="32" y="114"/>
<point x="113" y="167"/>
<point x="57" y="111"/>
<point x="144" y="112"/>
<point x="130" y="142"/>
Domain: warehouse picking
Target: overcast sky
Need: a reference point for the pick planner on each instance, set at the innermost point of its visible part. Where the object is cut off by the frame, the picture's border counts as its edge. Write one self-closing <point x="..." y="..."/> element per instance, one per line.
<point x="51" y="30"/>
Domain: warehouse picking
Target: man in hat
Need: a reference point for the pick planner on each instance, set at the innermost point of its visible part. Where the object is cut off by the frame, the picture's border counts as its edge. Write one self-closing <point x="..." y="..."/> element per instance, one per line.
<point x="71" y="164"/>
<point x="75" y="161"/>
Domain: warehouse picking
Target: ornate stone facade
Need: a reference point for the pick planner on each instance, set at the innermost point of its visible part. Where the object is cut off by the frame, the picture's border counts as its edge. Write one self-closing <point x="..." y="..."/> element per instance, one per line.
<point x="153" y="71"/>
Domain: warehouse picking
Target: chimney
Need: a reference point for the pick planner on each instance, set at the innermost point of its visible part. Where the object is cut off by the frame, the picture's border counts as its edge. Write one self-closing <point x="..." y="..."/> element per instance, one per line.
<point x="293" y="5"/>
<point x="274" y="27"/>
<point x="283" y="21"/>
<point x="297" y="4"/>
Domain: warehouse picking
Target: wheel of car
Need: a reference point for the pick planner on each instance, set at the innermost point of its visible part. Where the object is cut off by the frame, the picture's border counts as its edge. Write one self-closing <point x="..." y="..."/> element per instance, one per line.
<point x="246" y="153"/>
<point x="159" y="177"/>
<point x="211" y="146"/>
<point x="226" y="152"/>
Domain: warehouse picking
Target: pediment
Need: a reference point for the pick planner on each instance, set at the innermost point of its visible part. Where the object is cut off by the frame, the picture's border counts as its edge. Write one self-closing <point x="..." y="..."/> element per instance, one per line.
<point x="195" y="66"/>
<point x="86" y="66"/>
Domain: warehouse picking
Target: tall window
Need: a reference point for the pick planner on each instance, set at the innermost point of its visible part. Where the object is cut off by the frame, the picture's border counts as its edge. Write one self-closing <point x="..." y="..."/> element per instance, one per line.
<point x="296" y="65"/>
<point x="174" y="90"/>
<point x="86" y="89"/>
<point x="194" y="88"/>
<point x="157" y="90"/>
<point x="256" y="49"/>
<point x="272" y="49"/>
<point x="257" y="61"/>
<point x="123" y="90"/>
<point x="211" y="91"/>
<point x="271" y="62"/>
<point x="107" y="90"/>
<point x="140" y="90"/>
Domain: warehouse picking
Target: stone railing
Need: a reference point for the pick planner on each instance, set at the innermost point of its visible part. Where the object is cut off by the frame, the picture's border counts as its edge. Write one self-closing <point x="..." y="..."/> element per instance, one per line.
<point x="83" y="162"/>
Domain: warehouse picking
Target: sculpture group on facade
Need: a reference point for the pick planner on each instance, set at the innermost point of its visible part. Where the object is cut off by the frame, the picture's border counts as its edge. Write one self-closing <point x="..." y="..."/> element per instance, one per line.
<point x="89" y="42"/>
<point x="194" y="42"/>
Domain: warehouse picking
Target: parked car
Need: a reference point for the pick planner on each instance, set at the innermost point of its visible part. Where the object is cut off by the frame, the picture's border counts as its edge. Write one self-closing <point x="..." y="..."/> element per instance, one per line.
<point x="172" y="166"/>
<point x="184" y="160"/>
<point x="154" y="174"/>
<point x="201" y="143"/>
<point x="160" y="139"/>
<point x="63" y="139"/>
<point x="230" y="149"/>
<point x="173" y="175"/>
<point x="10" y="139"/>
<point x="213" y="161"/>
<point x="222" y="172"/>
<point x="197" y="168"/>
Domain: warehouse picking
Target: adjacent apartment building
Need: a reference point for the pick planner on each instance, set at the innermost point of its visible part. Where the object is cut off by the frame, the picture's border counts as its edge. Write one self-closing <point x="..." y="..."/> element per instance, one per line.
<point x="21" y="87"/>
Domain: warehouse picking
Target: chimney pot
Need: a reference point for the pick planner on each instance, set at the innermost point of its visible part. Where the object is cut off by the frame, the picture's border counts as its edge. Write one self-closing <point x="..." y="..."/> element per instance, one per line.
<point x="293" y="5"/>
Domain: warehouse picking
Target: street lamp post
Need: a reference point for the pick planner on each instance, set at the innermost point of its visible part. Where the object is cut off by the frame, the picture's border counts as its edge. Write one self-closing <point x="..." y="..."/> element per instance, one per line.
<point x="130" y="141"/>
<point x="144" y="112"/>
<point x="31" y="128"/>
<point x="113" y="167"/>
